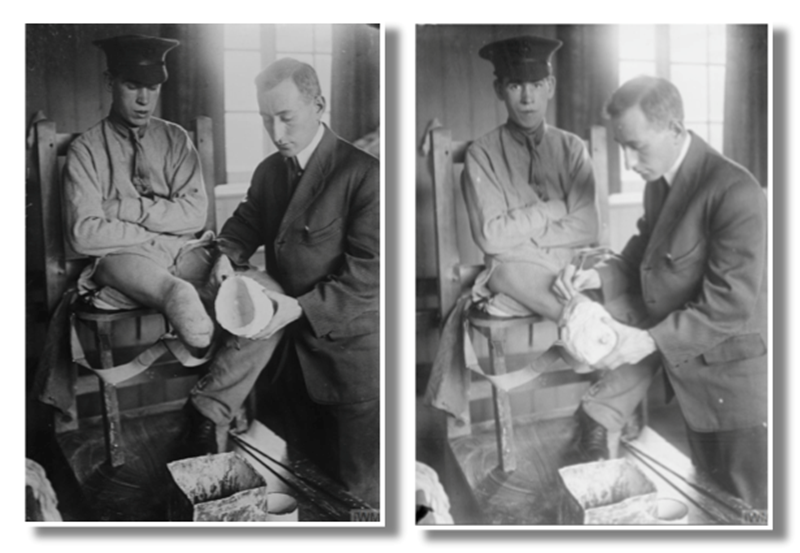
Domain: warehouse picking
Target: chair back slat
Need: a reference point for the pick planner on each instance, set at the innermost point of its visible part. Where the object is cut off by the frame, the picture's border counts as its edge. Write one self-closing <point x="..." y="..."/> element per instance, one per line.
<point x="444" y="199"/>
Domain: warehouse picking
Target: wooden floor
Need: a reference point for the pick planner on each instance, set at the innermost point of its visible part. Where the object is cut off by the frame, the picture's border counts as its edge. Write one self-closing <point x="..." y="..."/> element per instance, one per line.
<point x="140" y="489"/>
<point x="533" y="494"/>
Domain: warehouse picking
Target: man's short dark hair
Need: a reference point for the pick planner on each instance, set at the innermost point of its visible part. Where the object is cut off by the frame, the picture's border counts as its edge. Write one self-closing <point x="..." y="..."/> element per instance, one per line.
<point x="303" y="75"/>
<point x="659" y="100"/>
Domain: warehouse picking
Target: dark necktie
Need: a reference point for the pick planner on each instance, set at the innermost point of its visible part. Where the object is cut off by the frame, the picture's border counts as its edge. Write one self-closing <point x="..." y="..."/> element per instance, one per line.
<point x="535" y="173"/>
<point x="141" y="169"/>
<point x="660" y="193"/>
<point x="295" y="172"/>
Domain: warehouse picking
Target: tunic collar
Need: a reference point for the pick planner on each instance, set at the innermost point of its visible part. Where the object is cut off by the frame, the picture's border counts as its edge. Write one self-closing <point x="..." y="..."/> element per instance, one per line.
<point x="520" y="135"/>
<point x="122" y="128"/>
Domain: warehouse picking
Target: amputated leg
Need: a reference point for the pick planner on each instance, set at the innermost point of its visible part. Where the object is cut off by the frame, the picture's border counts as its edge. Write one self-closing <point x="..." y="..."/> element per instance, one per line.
<point x="151" y="285"/>
<point x="529" y="284"/>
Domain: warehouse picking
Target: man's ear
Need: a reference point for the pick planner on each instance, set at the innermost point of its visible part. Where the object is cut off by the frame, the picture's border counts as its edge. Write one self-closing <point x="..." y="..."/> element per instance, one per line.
<point x="319" y="105"/>
<point x="109" y="80"/>
<point x="676" y="128"/>
<point x="498" y="90"/>
<point x="551" y="85"/>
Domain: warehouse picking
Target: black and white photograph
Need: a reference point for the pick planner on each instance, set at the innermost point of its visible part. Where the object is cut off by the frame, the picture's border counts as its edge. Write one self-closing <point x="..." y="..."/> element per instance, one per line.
<point x="203" y="274"/>
<point x="593" y="273"/>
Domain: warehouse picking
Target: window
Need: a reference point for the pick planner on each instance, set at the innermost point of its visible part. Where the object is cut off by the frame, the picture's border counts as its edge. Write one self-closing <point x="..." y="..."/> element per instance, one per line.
<point x="248" y="49"/>
<point x="693" y="58"/>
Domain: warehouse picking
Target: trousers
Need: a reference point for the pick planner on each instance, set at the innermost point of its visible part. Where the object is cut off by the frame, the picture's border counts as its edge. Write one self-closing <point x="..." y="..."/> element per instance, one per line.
<point x="233" y="371"/>
<point x="341" y="439"/>
<point x="737" y="460"/>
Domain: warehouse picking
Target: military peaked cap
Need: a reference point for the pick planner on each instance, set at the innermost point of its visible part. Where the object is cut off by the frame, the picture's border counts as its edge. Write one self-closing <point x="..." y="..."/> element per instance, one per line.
<point x="525" y="58"/>
<point x="137" y="58"/>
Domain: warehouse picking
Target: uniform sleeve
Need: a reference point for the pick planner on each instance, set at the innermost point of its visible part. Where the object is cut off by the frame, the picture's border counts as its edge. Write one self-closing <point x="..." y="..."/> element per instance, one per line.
<point x="578" y="227"/>
<point x="496" y="228"/>
<point x="93" y="226"/>
<point x="355" y="287"/>
<point x="185" y="211"/>
<point x="241" y="235"/>
<point x="731" y="284"/>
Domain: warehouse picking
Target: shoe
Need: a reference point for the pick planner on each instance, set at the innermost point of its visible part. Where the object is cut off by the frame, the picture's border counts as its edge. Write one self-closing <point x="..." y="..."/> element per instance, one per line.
<point x="594" y="438"/>
<point x="201" y="436"/>
<point x="589" y="442"/>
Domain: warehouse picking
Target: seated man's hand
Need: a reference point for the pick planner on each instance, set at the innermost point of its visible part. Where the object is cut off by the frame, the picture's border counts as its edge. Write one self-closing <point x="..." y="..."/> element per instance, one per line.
<point x="287" y="310"/>
<point x="633" y="345"/>
<point x="571" y="281"/>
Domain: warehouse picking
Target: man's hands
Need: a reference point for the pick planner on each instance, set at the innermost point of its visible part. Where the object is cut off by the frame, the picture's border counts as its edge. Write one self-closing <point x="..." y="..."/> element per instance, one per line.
<point x="571" y="281"/>
<point x="633" y="345"/>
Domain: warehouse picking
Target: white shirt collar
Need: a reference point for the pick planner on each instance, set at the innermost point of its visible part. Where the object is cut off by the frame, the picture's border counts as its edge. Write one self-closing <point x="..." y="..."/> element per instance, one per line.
<point x="305" y="155"/>
<point x="669" y="176"/>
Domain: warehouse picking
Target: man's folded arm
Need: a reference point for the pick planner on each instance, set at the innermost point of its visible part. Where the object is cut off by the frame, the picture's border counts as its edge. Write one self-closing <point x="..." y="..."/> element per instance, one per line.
<point x="579" y="226"/>
<point x="92" y="229"/>
<point x="495" y="228"/>
<point x="185" y="210"/>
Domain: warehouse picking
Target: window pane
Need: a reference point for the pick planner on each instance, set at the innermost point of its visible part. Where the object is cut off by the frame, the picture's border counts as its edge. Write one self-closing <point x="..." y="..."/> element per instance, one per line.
<point x="240" y="70"/>
<point x="688" y="43"/>
<point x="692" y="82"/>
<point x="715" y="136"/>
<point x="699" y="128"/>
<point x="244" y="37"/>
<point x="244" y="145"/>
<point x="294" y="38"/>
<point x="322" y="63"/>
<point x="716" y="43"/>
<point x="305" y="58"/>
<point x="637" y="42"/>
<point x="323" y="38"/>
<point x="716" y="88"/>
<point x="631" y="69"/>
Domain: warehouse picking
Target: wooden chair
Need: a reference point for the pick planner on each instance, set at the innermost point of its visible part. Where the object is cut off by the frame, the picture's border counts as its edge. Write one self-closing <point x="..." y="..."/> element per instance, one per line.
<point x="62" y="267"/>
<point x="455" y="277"/>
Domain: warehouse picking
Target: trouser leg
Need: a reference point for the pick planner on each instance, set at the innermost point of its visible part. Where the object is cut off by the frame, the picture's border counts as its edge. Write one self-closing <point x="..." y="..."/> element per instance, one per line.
<point x="354" y="440"/>
<point x="529" y="284"/>
<point x="150" y="284"/>
<point x="613" y="398"/>
<point x="341" y="440"/>
<point x="736" y="459"/>
<point x="219" y="394"/>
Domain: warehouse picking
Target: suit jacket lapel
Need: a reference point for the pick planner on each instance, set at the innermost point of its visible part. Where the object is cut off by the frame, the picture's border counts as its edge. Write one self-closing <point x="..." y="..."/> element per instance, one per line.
<point x="312" y="182"/>
<point x="681" y="192"/>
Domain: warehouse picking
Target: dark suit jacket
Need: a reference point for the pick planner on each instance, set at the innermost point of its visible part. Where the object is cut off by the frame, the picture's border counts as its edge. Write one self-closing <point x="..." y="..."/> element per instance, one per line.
<point x="323" y="249"/>
<point x="700" y="269"/>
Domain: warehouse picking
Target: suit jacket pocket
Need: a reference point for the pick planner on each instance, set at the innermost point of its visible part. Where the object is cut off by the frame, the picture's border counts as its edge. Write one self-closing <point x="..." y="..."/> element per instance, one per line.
<point x="314" y="236"/>
<point x="681" y="259"/>
<point x="736" y="348"/>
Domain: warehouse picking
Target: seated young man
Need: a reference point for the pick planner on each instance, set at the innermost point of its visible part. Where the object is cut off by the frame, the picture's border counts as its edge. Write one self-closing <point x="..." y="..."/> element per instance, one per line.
<point x="135" y="200"/>
<point x="528" y="186"/>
